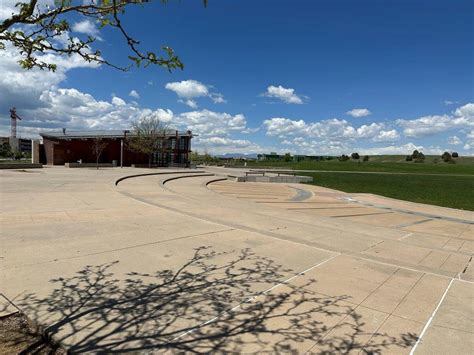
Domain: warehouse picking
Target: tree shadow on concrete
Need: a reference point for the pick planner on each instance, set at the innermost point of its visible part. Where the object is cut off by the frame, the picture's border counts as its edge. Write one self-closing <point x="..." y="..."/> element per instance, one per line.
<point x="209" y="304"/>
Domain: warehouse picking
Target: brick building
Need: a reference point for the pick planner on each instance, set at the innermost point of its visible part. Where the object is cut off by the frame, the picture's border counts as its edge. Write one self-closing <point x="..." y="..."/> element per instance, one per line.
<point x="67" y="146"/>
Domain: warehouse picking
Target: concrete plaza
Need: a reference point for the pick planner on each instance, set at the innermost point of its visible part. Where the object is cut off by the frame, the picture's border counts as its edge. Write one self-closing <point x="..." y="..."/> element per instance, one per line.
<point x="186" y="260"/>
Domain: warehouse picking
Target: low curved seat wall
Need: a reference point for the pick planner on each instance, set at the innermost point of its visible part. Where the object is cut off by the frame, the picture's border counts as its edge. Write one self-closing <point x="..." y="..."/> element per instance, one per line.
<point x="184" y="177"/>
<point x="149" y="174"/>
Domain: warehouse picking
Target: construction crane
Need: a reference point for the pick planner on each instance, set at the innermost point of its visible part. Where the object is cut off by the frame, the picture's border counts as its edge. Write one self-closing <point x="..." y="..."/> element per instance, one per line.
<point x="14" y="117"/>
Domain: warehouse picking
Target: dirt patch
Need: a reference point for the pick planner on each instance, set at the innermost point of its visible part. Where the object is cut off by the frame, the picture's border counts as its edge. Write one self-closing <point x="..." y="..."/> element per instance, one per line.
<point x="16" y="336"/>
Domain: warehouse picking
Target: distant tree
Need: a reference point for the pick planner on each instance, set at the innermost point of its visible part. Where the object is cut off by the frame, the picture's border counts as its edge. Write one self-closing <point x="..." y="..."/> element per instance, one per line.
<point x="147" y="137"/>
<point x="17" y="155"/>
<point x="455" y="155"/>
<point x="6" y="150"/>
<point x="420" y="158"/>
<point x="415" y="154"/>
<point x="366" y="158"/>
<point x="98" y="146"/>
<point x="287" y="157"/>
<point x="446" y="157"/>
<point x="409" y="158"/>
<point x="343" y="157"/>
<point x="355" y="156"/>
<point x="194" y="156"/>
<point x="208" y="159"/>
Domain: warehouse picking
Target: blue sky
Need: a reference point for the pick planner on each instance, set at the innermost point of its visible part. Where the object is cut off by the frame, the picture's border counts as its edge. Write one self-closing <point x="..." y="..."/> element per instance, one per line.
<point x="305" y="76"/>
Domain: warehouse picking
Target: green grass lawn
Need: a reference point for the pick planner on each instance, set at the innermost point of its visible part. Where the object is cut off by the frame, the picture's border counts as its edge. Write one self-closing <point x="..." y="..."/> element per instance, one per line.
<point x="464" y="166"/>
<point x="446" y="191"/>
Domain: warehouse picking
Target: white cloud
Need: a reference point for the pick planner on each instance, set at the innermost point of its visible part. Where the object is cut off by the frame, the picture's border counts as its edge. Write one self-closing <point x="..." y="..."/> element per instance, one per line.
<point x="462" y="117"/>
<point x="454" y="140"/>
<point x="134" y="94"/>
<point x="358" y="112"/>
<point x="118" y="101"/>
<point x="191" y="103"/>
<point x="221" y="145"/>
<point x="334" y="129"/>
<point x="286" y="95"/>
<point x="217" y="98"/>
<point x="404" y="149"/>
<point x="386" y="136"/>
<point x="465" y="112"/>
<point x="469" y="144"/>
<point x="449" y="102"/>
<point x="189" y="90"/>
<point x="23" y="88"/>
<point x="210" y="123"/>
<point x="87" y="27"/>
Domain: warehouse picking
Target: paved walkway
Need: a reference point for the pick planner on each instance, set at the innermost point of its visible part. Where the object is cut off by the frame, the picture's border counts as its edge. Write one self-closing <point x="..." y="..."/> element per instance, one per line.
<point x="170" y="263"/>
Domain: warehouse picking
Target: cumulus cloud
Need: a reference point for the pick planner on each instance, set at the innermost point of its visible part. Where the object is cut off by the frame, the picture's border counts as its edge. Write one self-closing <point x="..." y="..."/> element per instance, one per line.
<point x="358" y="112"/>
<point x="217" y="98"/>
<point x="454" y="140"/>
<point x="462" y="117"/>
<point x="387" y="136"/>
<point x="330" y="136"/>
<point x="222" y="145"/>
<point x="134" y="94"/>
<point x="469" y="144"/>
<point x="334" y="129"/>
<point x="209" y="123"/>
<point x="23" y="88"/>
<point x="400" y="149"/>
<point x="86" y="27"/>
<point x="189" y="90"/>
<point x="191" y="103"/>
<point x="286" y="95"/>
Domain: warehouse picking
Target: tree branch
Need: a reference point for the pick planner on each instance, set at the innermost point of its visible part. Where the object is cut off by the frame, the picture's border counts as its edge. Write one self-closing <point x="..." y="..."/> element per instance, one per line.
<point x="38" y="32"/>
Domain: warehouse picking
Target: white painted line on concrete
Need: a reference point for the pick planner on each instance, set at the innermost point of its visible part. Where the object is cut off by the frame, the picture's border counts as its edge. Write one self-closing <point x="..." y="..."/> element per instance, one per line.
<point x="405" y="236"/>
<point x="255" y="296"/>
<point x="431" y="318"/>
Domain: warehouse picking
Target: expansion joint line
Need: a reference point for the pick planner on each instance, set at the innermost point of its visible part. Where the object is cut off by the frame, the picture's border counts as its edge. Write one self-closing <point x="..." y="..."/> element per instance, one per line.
<point x="250" y="299"/>
<point x="431" y="318"/>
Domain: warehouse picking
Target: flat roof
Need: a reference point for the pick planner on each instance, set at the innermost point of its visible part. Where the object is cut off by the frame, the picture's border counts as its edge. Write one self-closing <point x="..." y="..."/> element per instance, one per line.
<point x="67" y="134"/>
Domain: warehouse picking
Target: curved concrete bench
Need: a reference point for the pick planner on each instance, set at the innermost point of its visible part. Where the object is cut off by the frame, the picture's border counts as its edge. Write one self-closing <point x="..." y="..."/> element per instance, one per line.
<point x="161" y="173"/>
<point x="215" y="180"/>
<point x="184" y="177"/>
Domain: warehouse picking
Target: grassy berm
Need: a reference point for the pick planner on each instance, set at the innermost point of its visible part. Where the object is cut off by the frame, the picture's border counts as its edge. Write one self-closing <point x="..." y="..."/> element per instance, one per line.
<point x="440" y="190"/>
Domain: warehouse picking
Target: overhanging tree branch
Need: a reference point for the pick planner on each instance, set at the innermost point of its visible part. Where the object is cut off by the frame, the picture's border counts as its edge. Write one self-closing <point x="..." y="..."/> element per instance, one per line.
<point x="36" y="31"/>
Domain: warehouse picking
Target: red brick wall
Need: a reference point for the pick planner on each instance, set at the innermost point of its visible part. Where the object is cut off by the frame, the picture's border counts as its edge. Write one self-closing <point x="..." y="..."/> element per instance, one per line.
<point x="70" y="151"/>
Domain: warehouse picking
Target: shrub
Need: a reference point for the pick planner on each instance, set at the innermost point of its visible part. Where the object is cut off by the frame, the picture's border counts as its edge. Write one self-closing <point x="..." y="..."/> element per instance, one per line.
<point x="355" y="156"/>
<point x="446" y="157"/>
<point x="366" y="158"/>
<point x="455" y="155"/>
<point x="420" y="158"/>
<point x="409" y="158"/>
<point x="6" y="150"/>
